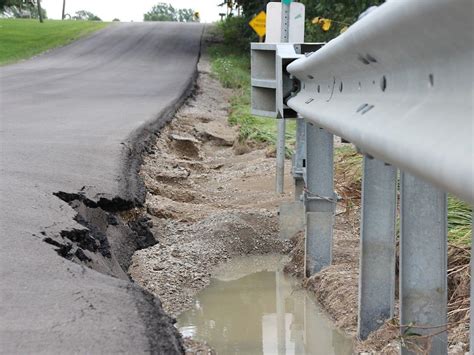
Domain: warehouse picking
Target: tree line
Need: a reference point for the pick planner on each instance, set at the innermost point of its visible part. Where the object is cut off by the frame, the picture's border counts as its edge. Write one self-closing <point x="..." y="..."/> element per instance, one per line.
<point x="166" y="12"/>
<point x="343" y="13"/>
<point x="22" y="9"/>
<point x="33" y="9"/>
<point x="30" y="9"/>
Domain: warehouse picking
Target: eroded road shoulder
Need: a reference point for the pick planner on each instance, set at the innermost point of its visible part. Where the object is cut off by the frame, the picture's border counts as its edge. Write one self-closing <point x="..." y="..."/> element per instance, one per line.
<point x="208" y="203"/>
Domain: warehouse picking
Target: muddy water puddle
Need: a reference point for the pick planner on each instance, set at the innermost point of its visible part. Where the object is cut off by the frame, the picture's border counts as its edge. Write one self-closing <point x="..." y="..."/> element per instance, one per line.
<point x="251" y="308"/>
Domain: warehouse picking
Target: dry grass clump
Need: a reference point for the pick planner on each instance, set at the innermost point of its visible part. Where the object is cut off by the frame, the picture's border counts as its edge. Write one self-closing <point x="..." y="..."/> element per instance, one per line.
<point x="335" y="287"/>
<point x="459" y="281"/>
<point x="348" y="175"/>
<point x="295" y="266"/>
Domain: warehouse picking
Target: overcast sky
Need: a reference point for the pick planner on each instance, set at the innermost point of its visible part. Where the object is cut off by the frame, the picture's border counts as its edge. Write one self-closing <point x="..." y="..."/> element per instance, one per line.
<point x="130" y="10"/>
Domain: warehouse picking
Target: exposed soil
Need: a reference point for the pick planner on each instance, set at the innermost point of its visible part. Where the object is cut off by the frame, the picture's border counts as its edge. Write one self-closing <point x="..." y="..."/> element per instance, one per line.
<point x="207" y="201"/>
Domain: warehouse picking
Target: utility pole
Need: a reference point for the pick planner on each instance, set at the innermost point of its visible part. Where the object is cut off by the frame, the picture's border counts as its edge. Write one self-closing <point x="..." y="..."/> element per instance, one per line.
<point x="64" y="10"/>
<point x="40" y="14"/>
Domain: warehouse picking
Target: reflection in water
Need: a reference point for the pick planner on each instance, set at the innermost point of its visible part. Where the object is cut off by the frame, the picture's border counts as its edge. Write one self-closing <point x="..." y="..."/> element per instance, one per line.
<point x="261" y="313"/>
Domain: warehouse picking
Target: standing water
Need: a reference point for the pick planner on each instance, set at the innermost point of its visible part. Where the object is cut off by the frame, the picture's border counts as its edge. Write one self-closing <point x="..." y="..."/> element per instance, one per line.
<point x="251" y="308"/>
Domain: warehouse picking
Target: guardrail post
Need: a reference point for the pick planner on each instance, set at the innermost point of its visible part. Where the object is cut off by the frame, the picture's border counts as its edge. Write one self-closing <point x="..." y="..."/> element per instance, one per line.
<point x="423" y="261"/>
<point x="471" y="329"/>
<point x="299" y="157"/>
<point x="319" y="198"/>
<point x="377" y="245"/>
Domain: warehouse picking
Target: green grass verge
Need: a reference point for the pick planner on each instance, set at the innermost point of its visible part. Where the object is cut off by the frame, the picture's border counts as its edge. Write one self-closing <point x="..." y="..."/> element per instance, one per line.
<point x="22" y="38"/>
<point x="232" y="68"/>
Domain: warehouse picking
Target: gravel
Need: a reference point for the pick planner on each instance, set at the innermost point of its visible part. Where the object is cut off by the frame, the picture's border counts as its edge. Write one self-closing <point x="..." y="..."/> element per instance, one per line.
<point x="207" y="203"/>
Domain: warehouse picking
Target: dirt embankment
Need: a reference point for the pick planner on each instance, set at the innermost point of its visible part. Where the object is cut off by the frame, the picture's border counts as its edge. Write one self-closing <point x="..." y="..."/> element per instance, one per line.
<point x="207" y="201"/>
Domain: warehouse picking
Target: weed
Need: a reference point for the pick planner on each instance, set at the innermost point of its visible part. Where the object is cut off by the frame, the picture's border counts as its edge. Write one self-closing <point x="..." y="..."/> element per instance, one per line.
<point x="348" y="174"/>
<point x="459" y="222"/>
<point x="232" y="68"/>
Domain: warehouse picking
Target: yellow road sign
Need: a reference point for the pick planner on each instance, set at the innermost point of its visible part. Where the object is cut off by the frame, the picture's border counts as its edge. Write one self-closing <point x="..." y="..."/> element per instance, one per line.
<point x="258" y="23"/>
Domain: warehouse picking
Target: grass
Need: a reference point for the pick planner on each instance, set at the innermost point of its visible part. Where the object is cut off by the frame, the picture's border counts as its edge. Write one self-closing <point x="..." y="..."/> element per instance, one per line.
<point x="348" y="169"/>
<point x="348" y="175"/>
<point x="232" y="68"/>
<point x="459" y="222"/>
<point x="24" y="38"/>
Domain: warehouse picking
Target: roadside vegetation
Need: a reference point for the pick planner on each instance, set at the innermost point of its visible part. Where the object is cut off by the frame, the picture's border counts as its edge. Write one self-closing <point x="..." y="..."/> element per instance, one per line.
<point x="348" y="166"/>
<point x="231" y="65"/>
<point x="25" y="38"/>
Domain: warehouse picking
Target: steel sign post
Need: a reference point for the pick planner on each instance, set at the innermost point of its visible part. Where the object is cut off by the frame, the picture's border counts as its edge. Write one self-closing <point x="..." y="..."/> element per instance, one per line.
<point x="281" y="135"/>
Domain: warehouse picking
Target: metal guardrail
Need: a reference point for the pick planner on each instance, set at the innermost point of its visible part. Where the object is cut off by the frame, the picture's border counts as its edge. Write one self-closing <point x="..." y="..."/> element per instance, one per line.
<point x="398" y="84"/>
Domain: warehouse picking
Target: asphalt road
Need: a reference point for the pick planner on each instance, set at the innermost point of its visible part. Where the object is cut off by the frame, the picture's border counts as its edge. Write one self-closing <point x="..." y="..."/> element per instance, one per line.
<point x="68" y="119"/>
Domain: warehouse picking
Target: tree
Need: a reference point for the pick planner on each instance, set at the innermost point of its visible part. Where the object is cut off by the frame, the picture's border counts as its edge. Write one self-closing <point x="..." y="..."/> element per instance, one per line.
<point x="40" y="14"/>
<point x="63" y="14"/>
<point x="166" y="12"/>
<point x="342" y="12"/>
<point x="22" y="9"/>
<point x="161" y="12"/>
<point x="185" y="15"/>
<point x="9" y="3"/>
<point x="86" y="15"/>
<point x="248" y="7"/>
